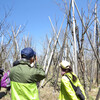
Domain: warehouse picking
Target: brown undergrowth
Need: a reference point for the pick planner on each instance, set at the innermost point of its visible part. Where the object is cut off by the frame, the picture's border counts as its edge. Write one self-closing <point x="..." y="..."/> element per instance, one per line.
<point x="48" y="93"/>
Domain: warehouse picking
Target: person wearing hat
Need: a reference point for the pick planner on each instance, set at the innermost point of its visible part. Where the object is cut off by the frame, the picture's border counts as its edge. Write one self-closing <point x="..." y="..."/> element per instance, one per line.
<point x="24" y="76"/>
<point x="67" y="92"/>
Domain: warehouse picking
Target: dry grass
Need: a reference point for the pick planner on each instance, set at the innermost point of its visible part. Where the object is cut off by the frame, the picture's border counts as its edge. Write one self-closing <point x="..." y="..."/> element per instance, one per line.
<point x="48" y="93"/>
<point x="93" y="93"/>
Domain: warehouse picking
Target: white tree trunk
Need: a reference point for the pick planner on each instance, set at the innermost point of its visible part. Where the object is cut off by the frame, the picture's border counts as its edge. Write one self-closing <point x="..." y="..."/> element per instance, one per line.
<point x="94" y="27"/>
<point x="75" y="52"/>
<point x="52" y="53"/>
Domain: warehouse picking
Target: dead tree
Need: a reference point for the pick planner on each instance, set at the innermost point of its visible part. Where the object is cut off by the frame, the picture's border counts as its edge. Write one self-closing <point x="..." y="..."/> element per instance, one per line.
<point x="4" y="27"/>
<point x="60" y="56"/>
<point x="15" y="43"/>
<point x="74" y="35"/>
<point x="88" y="35"/>
<point x="27" y="41"/>
<point x="98" y="94"/>
<point x="91" y="74"/>
<point x="52" y="53"/>
<point x="46" y="56"/>
<point x="97" y="46"/>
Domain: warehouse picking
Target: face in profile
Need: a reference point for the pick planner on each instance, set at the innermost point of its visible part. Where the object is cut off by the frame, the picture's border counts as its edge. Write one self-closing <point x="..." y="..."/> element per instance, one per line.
<point x="63" y="71"/>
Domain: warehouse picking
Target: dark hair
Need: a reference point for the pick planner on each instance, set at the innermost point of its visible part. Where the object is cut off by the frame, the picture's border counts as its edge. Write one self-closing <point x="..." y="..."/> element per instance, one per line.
<point x="24" y="56"/>
<point x="70" y="71"/>
<point x="34" y="57"/>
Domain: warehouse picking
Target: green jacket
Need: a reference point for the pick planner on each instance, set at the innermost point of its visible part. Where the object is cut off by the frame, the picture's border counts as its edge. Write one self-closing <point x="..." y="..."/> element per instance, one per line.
<point x="23" y="81"/>
<point x="67" y="92"/>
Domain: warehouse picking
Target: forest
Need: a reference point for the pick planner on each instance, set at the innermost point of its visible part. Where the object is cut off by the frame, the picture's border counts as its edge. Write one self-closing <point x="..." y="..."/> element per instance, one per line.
<point x="78" y="43"/>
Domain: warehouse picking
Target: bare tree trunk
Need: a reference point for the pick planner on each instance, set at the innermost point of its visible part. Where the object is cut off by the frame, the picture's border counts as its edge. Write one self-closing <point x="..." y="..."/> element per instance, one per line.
<point x="75" y="53"/>
<point x="45" y="60"/>
<point x="61" y="55"/>
<point x="52" y="53"/>
<point x="94" y="40"/>
<point x="94" y="37"/>
<point x="85" y="77"/>
<point x="15" y="43"/>
<point x="96" y="43"/>
<point x="91" y="74"/>
<point x="98" y="94"/>
<point x="97" y="46"/>
<point x="87" y="34"/>
<point x="81" y="57"/>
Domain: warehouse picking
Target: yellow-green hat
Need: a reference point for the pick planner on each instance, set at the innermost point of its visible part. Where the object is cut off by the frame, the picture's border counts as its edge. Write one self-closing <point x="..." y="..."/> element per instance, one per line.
<point x="64" y="64"/>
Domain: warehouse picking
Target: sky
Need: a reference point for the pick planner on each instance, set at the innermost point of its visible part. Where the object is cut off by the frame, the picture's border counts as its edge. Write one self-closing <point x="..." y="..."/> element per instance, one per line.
<point x="34" y="14"/>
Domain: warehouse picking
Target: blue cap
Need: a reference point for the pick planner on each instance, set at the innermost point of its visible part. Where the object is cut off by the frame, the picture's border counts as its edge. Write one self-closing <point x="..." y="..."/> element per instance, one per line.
<point x="28" y="53"/>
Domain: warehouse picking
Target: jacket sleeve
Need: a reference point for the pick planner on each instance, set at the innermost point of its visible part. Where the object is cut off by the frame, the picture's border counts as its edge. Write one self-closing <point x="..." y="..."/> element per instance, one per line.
<point x="39" y="74"/>
<point x="67" y="89"/>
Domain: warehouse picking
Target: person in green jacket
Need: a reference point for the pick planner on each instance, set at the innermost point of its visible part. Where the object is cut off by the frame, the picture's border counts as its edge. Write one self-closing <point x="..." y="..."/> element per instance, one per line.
<point x="67" y="92"/>
<point x="24" y="76"/>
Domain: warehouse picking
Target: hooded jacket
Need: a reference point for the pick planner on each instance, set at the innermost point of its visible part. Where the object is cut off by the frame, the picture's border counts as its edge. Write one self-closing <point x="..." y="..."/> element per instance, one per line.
<point x="23" y="81"/>
<point x="67" y="92"/>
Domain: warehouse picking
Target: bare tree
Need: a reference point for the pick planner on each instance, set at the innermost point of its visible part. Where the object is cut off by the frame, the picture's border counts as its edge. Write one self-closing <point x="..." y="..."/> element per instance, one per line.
<point x="98" y="94"/>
